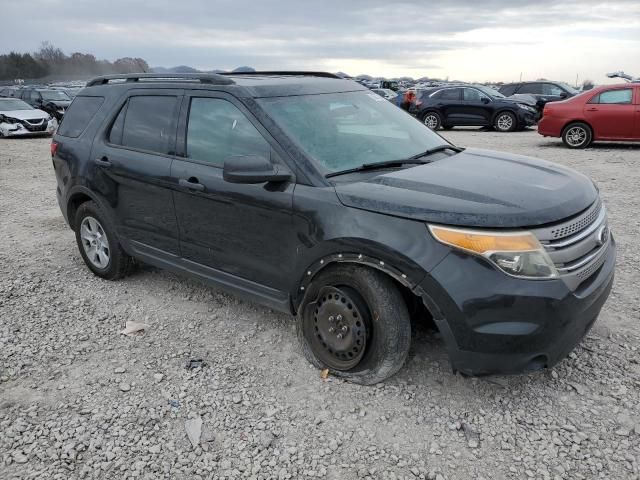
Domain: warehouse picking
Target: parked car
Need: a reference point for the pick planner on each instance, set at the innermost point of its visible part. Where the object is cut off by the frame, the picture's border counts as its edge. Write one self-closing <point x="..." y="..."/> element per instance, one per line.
<point x="18" y="118"/>
<point x="54" y="102"/>
<point x="386" y="93"/>
<point x="472" y="105"/>
<point x="543" y="91"/>
<point x="609" y="112"/>
<point x="311" y="195"/>
<point x="10" y="92"/>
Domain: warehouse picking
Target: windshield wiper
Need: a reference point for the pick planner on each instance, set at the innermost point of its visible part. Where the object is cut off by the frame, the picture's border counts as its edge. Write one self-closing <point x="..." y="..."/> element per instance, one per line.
<point x="439" y="148"/>
<point x="377" y="166"/>
<point x="414" y="160"/>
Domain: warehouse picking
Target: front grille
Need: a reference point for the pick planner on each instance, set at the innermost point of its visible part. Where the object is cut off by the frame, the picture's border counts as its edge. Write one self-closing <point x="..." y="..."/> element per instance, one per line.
<point x="578" y="246"/>
<point x="36" y="125"/>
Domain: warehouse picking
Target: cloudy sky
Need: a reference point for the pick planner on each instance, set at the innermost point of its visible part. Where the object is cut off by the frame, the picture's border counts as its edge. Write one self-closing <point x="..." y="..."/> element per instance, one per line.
<point x="465" y="40"/>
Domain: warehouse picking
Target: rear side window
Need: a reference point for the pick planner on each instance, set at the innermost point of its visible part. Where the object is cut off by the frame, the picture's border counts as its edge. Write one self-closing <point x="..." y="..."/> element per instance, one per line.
<point x="78" y="116"/>
<point x="146" y="123"/>
<point x="449" y="94"/>
<point x="614" y="97"/>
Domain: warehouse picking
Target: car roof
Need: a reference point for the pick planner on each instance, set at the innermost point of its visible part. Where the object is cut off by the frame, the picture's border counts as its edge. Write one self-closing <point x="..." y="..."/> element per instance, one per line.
<point x="254" y="84"/>
<point x="613" y="86"/>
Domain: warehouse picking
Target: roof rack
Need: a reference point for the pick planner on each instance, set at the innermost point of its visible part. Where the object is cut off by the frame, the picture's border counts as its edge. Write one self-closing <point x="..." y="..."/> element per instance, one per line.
<point x="285" y="73"/>
<point x="211" y="78"/>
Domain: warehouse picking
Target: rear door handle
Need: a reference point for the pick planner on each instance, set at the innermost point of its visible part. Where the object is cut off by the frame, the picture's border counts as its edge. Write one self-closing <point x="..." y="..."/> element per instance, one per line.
<point x="103" y="162"/>
<point x="592" y="109"/>
<point x="191" y="184"/>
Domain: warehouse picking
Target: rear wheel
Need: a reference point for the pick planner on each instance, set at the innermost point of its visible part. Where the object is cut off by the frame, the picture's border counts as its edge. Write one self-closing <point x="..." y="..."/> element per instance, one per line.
<point x="98" y="244"/>
<point x="354" y="321"/>
<point x="505" y="122"/>
<point x="577" y="135"/>
<point x="432" y="120"/>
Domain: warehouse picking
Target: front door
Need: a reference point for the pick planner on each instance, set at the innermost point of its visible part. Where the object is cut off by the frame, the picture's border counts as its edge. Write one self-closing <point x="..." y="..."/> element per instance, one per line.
<point x="244" y="230"/>
<point x="611" y="114"/>
<point x="477" y="109"/>
<point x="131" y="159"/>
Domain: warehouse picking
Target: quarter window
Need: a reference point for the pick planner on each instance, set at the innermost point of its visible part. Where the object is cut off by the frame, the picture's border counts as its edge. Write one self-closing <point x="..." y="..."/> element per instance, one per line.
<point x="217" y="129"/>
<point x="614" y="97"/>
<point x="146" y="123"/>
<point x="77" y="117"/>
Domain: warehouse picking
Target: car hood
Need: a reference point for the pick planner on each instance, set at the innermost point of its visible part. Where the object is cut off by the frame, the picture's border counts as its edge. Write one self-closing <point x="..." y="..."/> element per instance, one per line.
<point x="478" y="188"/>
<point x="25" y="114"/>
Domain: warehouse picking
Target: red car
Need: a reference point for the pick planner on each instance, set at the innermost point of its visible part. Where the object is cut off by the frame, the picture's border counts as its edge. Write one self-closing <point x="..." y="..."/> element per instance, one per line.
<point x="610" y="112"/>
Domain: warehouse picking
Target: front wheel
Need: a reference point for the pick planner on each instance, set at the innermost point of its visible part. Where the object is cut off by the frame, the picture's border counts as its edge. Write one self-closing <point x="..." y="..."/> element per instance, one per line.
<point x="577" y="135"/>
<point x="505" y="122"/>
<point x="354" y="321"/>
<point x="432" y="120"/>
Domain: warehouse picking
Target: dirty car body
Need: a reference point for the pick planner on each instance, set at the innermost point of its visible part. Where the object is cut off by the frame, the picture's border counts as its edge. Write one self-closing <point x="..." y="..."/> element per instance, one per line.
<point x="299" y="205"/>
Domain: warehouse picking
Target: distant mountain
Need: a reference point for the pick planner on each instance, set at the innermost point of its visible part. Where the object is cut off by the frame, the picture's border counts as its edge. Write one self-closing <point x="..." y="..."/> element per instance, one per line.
<point x="243" y="70"/>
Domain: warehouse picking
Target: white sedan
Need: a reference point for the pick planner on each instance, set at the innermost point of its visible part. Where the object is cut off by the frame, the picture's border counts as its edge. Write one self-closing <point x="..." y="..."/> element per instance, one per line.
<point x="20" y="118"/>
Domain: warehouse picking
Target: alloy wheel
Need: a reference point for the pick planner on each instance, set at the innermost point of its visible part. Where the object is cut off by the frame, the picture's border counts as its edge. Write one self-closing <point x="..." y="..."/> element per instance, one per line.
<point x="431" y="121"/>
<point x="95" y="242"/>
<point x="576" y="136"/>
<point x="505" y="122"/>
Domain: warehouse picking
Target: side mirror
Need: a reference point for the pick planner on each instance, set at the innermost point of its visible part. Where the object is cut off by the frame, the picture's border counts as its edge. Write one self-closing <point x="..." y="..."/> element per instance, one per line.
<point x="485" y="100"/>
<point x="564" y="95"/>
<point x="253" y="169"/>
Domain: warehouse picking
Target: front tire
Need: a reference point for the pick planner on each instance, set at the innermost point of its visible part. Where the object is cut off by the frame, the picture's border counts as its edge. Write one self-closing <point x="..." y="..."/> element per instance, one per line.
<point x="505" y="122"/>
<point x="432" y="120"/>
<point x="354" y="321"/>
<point x="98" y="243"/>
<point x="577" y="135"/>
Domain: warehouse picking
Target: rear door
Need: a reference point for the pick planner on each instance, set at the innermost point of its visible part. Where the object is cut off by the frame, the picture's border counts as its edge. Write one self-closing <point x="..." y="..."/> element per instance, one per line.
<point x="131" y="161"/>
<point x="476" y="107"/>
<point x="611" y="114"/>
<point x="449" y="102"/>
<point x="244" y="230"/>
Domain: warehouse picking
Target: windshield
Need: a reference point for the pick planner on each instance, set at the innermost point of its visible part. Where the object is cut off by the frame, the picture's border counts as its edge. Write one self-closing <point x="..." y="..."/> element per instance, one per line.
<point x="54" y="95"/>
<point x="490" y="91"/>
<point x="9" y="104"/>
<point x="346" y="130"/>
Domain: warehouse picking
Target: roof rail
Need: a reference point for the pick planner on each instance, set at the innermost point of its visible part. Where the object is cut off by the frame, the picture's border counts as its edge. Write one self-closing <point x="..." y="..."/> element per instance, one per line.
<point x="212" y="78"/>
<point x="285" y="73"/>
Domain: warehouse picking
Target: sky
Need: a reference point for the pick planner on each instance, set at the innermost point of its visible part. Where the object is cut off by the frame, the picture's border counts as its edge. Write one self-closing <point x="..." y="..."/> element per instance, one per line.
<point x="489" y="40"/>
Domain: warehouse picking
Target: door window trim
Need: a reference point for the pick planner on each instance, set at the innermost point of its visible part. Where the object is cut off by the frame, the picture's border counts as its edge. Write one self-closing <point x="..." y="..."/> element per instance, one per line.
<point x="123" y="103"/>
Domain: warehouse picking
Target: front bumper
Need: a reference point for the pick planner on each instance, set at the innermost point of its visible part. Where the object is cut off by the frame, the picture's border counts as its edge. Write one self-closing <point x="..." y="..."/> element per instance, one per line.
<point x="526" y="118"/>
<point x="18" y="129"/>
<point x="496" y="324"/>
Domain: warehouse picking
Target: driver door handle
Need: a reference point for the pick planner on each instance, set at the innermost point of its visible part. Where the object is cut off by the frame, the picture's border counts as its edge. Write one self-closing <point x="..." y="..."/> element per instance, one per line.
<point x="103" y="162"/>
<point x="192" y="184"/>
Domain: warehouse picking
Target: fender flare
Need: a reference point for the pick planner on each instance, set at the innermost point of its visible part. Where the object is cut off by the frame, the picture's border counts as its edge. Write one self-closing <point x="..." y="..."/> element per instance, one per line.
<point x="78" y="191"/>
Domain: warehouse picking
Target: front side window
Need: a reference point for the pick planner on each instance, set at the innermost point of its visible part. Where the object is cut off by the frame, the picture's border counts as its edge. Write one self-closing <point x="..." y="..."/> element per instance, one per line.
<point x="345" y="130"/>
<point x="217" y="129"/>
<point x="146" y="123"/>
<point x="551" y="89"/>
<point x="55" y="95"/>
<point x="473" y="95"/>
<point x="614" y="97"/>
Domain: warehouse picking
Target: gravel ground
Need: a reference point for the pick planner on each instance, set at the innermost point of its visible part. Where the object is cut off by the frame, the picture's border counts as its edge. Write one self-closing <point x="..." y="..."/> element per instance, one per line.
<point x="80" y="400"/>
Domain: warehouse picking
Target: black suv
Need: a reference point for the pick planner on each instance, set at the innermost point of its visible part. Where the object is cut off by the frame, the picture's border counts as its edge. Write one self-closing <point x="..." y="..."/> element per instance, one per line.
<point x="542" y="91"/>
<point x="54" y="102"/>
<point x="314" y="196"/>
<point x="472" y="105"/>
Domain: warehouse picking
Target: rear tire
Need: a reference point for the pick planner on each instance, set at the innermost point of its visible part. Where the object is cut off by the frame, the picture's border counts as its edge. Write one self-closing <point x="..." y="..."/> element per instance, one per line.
<point x="98" y="243"/>
<point x="577" y="135"/>
<point x="432" y="120"/>
<point x="505" y="122"/>
<point x="367" y="306"/>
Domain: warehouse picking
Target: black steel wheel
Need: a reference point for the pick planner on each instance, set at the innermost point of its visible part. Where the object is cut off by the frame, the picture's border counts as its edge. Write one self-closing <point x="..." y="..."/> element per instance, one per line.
<point x="354" y="321"/>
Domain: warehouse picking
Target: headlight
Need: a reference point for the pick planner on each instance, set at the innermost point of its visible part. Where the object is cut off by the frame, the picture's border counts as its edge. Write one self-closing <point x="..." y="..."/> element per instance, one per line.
<point x="516" y="253"/>
<point x="528" y="108"/>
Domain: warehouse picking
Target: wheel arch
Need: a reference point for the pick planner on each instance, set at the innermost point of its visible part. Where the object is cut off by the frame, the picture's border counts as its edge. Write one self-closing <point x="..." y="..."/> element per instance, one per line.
<point x="502" y="110"/>
<point x="578" y="120"/>
<point x="77" y="197"/>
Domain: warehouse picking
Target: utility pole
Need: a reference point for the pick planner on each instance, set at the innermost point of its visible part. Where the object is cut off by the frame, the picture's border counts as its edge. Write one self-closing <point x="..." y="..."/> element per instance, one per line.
<point x="520" y="76"/>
